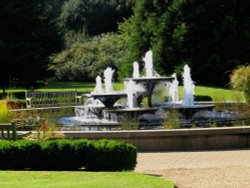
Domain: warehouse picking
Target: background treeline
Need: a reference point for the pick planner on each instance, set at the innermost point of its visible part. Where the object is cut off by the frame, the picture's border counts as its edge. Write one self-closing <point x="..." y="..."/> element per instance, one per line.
<point x="78" y="39"/>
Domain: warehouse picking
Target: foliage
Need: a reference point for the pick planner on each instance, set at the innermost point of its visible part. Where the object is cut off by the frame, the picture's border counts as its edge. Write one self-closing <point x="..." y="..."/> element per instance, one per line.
<point x="87" y="60"/>
<point x="5" y="115"/>
<point x="110" y="155"/>
<point x="93" y="17"/>
<point x="129" y="122"/>
<point x="28" y="35"/>
<point x="80" y="179"/>
<point x="67" y="155"/>
<point x="240" y="80"/>
<point x="172" y="119"/>
<point x="212" y="38"/>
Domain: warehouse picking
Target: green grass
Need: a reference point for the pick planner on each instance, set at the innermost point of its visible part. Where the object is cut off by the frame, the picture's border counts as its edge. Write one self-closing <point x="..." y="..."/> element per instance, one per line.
<point x="65" y="179"/>
<point x="217" y="94"/>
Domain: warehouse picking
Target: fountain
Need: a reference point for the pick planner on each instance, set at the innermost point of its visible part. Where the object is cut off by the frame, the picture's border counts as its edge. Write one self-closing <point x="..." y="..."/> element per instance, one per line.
<point x="136" y="73"/>
<point x="173" y="90"/>
<point x="109" y="97"/>
<point x="188" y="97"/>
<point x="150" y="80"/>
<point x="101" y="106"/>
<point x="186" y="107"/>
<point x="98" y="87"/>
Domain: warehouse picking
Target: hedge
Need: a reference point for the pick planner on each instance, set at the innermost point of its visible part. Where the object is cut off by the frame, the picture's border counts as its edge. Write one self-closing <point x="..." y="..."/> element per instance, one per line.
<point x="100" y="155"/>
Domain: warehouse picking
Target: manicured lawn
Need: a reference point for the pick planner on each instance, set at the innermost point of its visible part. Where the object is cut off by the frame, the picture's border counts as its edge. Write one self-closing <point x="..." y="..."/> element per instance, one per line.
<point x="65" y="179"/>
<point x="217" y="94"/>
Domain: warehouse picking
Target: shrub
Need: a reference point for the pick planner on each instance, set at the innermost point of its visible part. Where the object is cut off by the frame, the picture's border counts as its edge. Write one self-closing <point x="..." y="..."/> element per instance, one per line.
<point x="114" y="156"/>
<point x="9" y="152"/>
<point x="5" y="114"/>
<point x="67" y="155"/>
<point x="29" y="155"/>
<point x="240" y="80"/>
<point x="202" y="98"/>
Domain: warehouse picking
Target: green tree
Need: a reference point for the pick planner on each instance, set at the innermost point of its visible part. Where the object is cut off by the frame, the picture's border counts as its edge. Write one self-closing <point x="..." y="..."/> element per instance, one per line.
<point x="94" y="16"/>
<point x="212" y="36"/>
<point x="87" y="60"/>
<point x="28" y="35"/>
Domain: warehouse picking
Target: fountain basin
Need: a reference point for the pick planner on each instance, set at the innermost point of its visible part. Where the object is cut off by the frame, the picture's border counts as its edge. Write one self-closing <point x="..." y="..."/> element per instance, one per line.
<point x="108" y="99"/>
<point x="131" y="112"/>
<point x="189" y="111"/>
<point x="175" y="139"/>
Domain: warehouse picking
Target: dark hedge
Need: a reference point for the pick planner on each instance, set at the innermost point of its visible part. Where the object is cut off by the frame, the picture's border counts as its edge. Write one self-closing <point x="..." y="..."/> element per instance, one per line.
<point x="100" y="155"/>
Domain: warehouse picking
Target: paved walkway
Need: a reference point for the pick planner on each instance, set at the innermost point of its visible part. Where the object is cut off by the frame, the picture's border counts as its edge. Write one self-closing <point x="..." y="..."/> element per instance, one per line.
<point x="199" y="169"/>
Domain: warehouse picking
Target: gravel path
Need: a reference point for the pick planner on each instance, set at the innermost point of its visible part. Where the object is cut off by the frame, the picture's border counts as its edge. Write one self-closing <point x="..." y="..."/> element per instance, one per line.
<point x="199" y="169"/>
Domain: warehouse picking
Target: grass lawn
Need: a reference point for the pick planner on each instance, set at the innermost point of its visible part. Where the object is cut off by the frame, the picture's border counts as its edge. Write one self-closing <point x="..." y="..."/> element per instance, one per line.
<point x="217" y="94"/>
<point x="66" y="179"/>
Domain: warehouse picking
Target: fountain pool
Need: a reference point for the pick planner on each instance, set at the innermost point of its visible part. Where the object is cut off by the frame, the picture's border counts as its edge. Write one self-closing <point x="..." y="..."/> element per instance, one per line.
<point x="107" y="110"/>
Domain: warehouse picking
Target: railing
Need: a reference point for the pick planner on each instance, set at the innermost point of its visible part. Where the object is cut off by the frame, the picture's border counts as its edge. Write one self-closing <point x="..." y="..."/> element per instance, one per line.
<point x="8" y="131"/>
<point x="52" y="99"/>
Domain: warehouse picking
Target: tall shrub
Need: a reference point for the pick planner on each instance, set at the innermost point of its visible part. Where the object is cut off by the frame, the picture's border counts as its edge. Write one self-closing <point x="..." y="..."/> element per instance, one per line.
<point x="5" y="115"/>
<point x="240" y="80"/>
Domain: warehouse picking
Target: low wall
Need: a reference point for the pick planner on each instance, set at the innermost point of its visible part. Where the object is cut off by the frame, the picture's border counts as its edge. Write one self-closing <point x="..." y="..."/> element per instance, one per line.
<point x="175" y="139"/>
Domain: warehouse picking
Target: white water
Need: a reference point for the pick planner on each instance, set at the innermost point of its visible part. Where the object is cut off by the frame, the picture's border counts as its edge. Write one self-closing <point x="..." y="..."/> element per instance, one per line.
<point x="108" y="75"/>
<point x="173" y="89"/>
<point x="136" y="73"/>
<point x="188" y="92"/>
<point x="130" y="93"/>
<point x="148" y="60"/>
<point x="98" y="87"/>
<point x="132" y="89"/>
<point x="85" y="110"/>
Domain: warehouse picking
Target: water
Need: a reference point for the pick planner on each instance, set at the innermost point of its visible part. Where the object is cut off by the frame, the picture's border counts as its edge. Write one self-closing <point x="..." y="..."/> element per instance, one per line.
<point x="136" y="73"/>
<point x="108" y="75"/>
<point x="173" y="90"/>
<point x="130" y="94"/>
<point x="133" y="90"/>
<point x="148" y="60"/>
<point x="98" y="87"/>
<point x="188" y="91"/>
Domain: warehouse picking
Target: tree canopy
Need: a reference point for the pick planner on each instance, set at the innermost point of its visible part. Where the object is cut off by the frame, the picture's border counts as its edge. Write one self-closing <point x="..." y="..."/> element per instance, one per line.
<point x="94" y="16"/>
<point x="212" y="36"/>
<point x="28" y="35"/>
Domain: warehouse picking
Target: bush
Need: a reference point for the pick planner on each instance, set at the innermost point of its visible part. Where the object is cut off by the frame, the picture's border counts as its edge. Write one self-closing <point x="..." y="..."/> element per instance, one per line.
<point x="240" y="80"/>
<point x="114" y="155"/>
<point x="87" y="60"/>
<point x="101" y="155"/>
<point x="58" y="155"/>
<point x="202" y="98"/>
<point x="5" y="114"/>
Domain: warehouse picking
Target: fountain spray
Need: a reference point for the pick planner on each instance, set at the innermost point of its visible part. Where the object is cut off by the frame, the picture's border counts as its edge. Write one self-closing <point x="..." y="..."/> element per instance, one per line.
<point x="188" y="92"/>
<point x="108" y="74"/>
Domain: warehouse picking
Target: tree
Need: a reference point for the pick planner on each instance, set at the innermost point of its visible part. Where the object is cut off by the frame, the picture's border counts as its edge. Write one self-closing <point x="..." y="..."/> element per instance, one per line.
<point x="28" y="35"/>
<point x="94" y="17"/>
<point x="87" y="60"/>
<point x="212" y="36"/>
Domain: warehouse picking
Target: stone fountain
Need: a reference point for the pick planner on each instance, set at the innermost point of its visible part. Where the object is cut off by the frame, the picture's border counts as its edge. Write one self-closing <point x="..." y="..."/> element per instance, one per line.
<point x="107" y="97"/>
<point x="187" y="107"/>
<point x="101" y="104"/>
